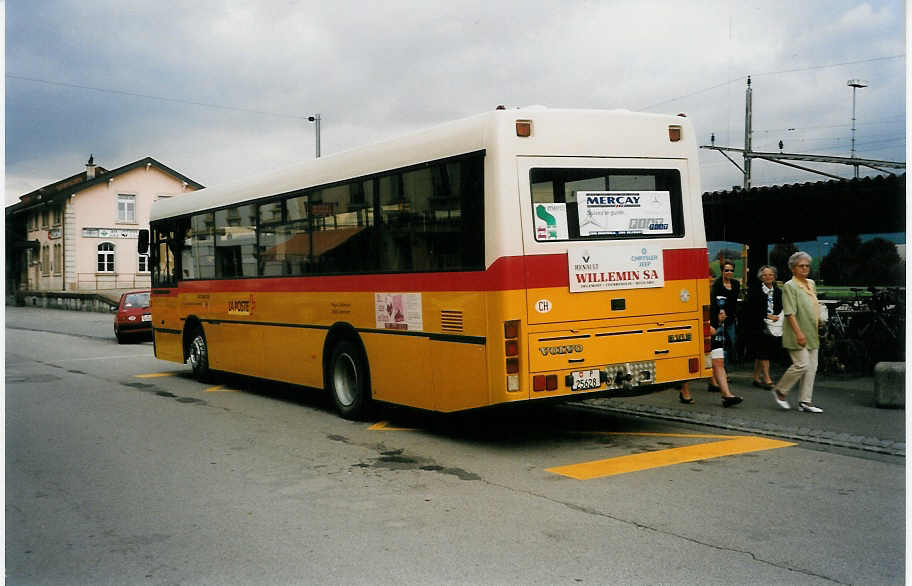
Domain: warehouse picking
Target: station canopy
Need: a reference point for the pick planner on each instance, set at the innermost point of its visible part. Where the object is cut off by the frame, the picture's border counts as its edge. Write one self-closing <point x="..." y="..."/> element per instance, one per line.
<point x="803" y="211"/>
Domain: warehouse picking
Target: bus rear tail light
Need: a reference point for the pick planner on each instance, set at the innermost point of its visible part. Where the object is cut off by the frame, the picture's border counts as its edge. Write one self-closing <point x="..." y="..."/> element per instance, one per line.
<point x="511" y="350"/>
<point x="707" y="331"/>
<point x="674" y="133"/>
<point x="693" y="365"/>
<point x="541" y="382"/>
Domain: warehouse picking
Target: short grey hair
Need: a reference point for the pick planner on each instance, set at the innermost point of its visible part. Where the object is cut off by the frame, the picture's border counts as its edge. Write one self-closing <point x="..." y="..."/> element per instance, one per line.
<point x="770" y="267"/>
<point x="793" y="260"/>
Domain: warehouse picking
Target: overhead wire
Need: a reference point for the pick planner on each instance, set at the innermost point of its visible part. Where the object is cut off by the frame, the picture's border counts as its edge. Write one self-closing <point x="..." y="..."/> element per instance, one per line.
<point x="767" y="73"/>
<point x="153" y="97"/>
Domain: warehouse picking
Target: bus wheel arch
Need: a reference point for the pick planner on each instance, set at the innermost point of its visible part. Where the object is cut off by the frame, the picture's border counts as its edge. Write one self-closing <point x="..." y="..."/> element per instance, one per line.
<point x="346" y="373"/>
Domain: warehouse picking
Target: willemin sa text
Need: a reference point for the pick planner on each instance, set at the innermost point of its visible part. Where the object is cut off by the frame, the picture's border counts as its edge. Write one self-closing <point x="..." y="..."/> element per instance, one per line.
<point x="615" y="267"/>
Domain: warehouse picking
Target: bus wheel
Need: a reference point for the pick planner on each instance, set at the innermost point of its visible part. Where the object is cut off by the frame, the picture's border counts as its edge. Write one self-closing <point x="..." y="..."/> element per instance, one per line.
<point x="198" y="356"/>
<point x="347" y="382"/>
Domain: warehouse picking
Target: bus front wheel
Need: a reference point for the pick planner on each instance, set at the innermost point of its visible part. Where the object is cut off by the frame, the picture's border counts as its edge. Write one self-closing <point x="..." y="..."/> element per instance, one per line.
<point x="198" y="356"/>
<point x="346" y="380"/>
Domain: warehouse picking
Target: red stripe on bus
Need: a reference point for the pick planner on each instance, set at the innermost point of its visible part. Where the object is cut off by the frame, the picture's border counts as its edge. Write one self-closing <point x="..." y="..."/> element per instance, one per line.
<point x="681" y="263"/>
<point x="506" y="273"/>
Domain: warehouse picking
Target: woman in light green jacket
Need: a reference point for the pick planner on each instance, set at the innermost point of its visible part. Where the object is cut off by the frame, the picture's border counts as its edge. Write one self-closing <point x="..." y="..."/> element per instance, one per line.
<point x="799" y="335"/>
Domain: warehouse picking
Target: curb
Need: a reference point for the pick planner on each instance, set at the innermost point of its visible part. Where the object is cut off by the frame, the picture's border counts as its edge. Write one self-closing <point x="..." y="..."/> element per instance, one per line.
<point x="830" y="438"/>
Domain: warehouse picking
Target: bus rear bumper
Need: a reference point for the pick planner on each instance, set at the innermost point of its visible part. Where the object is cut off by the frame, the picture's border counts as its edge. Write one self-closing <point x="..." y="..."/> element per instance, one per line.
<point x="625" y="379"/>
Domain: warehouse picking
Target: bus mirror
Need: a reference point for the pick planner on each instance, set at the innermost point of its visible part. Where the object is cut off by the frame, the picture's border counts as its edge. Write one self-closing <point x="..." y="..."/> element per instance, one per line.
<point x="142" y="247"/>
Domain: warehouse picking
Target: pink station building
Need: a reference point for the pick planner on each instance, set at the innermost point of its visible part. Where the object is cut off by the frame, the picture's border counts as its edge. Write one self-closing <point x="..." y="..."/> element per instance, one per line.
<point x="79" y="234"/>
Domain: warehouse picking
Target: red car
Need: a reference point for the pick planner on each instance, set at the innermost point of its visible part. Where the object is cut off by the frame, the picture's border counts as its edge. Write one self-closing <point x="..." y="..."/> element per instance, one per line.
<point x="133" y="319"/>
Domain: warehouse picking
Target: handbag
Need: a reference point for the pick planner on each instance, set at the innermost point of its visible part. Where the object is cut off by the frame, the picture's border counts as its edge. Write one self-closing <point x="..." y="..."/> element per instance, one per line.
<point x="775" y="327"/>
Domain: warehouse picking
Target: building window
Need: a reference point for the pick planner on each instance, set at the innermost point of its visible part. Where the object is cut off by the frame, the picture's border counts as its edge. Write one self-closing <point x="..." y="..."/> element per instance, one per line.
<point x="45" y="260"/>
<point x="44" y="218"/>
<point x="105" y="257"/>
<point x="58" y="259"/>
<point x="126" y="209"/>
<point x="143" y="263"/>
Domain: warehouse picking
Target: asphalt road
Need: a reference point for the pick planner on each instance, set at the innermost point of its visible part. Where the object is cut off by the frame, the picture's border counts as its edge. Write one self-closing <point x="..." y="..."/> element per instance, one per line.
<point x="117" y="478"/>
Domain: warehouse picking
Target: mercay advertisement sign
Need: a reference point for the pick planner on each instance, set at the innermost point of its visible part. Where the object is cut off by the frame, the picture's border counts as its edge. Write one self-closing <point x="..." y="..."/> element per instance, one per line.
<point x="624" y="212"/>
<point x="615" y="267"/>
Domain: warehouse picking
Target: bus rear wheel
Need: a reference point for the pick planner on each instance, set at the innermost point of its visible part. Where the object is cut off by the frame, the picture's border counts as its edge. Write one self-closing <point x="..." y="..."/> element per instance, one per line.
<point x="198" y="356"/>
<point x="346" y="380"/>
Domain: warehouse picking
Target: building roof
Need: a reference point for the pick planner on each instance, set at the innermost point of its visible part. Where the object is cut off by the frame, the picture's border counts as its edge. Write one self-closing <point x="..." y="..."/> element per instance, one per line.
<point x="80" y="181"/>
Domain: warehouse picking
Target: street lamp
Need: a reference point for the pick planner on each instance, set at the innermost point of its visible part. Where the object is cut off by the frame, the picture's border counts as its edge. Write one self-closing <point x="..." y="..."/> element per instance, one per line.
<point x="855" y="84"/>
<point x="316" y="120"/>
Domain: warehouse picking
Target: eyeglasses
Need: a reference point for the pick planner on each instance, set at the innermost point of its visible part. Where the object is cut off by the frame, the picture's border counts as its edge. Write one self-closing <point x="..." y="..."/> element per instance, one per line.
<point x="803" y="266"/>
<point x="728" y="270"/>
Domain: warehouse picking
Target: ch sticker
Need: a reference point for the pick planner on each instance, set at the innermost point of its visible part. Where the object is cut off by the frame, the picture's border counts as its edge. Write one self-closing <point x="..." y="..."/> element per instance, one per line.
<point x="543" y="306"/>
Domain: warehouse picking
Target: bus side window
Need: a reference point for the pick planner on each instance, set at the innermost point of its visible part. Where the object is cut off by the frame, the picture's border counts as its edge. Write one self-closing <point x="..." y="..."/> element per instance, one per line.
<point x="203" y="246"/>
<point x="341" y="230"/>
<point x="235" y="242"/>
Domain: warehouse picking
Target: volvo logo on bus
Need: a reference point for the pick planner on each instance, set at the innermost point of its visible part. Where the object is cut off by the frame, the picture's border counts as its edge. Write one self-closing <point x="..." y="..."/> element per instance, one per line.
<point x="553" y="350"/>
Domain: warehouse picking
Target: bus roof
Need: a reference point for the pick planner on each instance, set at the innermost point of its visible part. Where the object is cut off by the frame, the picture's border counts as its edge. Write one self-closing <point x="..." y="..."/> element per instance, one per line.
<point x="479" y="132"/>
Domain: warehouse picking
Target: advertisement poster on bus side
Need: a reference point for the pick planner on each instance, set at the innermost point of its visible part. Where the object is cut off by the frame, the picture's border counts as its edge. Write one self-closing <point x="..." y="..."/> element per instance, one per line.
<point x="624" y="212"/>
<point x="602" y="268"/>
<point x="398" y="311"/>
<point x="550" y="221"/>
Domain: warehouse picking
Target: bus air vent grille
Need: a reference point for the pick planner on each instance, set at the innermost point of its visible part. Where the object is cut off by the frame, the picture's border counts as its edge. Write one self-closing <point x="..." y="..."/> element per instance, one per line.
<point x="451" y="321"/>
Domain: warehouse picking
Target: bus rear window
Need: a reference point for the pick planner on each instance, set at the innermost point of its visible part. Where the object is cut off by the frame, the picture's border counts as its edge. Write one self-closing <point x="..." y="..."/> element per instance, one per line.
<point x="606" y="204"/>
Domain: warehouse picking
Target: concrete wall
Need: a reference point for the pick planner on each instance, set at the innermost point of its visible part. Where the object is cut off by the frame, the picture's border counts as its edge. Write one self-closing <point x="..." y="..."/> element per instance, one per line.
<point x="65" y="300"/>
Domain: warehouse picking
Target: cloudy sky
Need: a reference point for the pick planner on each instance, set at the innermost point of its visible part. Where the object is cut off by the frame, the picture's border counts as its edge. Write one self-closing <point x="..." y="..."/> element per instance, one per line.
<point x="218" y="90"/>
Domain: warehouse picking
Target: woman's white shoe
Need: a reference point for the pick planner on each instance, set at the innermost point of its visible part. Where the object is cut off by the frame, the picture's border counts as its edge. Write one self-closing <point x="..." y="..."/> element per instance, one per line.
<point x="781" y="402"/>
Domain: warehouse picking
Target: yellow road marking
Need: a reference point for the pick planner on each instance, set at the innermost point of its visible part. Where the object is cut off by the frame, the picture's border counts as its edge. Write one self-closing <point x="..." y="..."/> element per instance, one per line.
<point x="220" y="389"/>
<point x="385" y="426"/>
<point x="651" y="434"/>
<point x="155" y="374"/>
<point x="637" y="462"/>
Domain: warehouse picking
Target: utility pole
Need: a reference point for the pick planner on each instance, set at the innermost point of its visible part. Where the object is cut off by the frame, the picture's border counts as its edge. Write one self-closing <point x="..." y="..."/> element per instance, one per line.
<point x="316" y="120"/>
<point x="747" y="134"/>
<point x="855" y="84"/>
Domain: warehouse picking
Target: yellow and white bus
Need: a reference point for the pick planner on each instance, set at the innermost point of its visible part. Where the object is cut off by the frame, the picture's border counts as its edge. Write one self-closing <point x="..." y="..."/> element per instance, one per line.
<point x="517" y="255"/>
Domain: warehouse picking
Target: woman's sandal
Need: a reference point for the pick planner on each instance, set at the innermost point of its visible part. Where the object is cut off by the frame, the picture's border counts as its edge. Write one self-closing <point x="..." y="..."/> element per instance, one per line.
<point x="729" y="401"/>
<point x="687" y="401"/>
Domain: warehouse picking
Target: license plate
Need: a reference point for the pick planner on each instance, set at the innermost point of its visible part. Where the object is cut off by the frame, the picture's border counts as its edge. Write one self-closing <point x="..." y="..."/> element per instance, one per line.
<point x="585" y="379"/>
<point x="147" y="317"/>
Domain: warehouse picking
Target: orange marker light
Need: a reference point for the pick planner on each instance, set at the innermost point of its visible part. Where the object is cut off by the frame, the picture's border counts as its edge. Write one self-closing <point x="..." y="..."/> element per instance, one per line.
<point x="523" y="128"/>
<point x="674" y="133"/>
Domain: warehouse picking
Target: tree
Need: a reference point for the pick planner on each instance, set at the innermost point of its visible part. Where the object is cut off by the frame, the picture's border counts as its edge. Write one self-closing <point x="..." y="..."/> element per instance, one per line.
<point x="840" y="266"/>
<point x="877" y="263"/>
<point x="779" y="257"/>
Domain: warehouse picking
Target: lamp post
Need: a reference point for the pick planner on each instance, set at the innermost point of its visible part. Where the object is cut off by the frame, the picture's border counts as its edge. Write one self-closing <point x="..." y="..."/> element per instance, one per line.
<point x="855" y="84"/>
<point x="316" y="120"/>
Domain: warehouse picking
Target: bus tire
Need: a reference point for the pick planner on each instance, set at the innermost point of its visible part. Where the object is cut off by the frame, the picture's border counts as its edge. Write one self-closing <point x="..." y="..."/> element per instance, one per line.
<point x="198" y="356"/>
<point x="347" y="380"/>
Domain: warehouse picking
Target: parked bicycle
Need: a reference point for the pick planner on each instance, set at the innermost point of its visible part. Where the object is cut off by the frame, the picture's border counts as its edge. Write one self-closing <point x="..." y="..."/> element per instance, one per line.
<point x="864" y="330"/>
